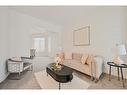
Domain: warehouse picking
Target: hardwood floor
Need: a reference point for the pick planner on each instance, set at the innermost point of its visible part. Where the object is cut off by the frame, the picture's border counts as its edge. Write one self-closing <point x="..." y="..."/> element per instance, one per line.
<point x="28" y="81"/>
<point x="104" y="82"/>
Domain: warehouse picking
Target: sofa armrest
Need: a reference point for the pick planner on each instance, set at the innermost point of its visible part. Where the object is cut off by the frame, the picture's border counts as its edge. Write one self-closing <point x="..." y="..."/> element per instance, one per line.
<point x="98" y="66"/>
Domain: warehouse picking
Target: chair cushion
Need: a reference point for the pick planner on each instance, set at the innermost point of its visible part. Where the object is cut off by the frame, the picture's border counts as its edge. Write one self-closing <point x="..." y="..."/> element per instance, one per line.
<point x="16" y="59"/>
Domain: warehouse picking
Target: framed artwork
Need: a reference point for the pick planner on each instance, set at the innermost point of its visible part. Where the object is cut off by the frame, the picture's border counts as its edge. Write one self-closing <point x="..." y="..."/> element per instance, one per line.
<point x="81" y="36"/>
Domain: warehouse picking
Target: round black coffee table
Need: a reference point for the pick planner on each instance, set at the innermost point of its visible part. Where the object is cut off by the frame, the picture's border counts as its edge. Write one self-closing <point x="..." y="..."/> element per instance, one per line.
<point x="62" y="76"/>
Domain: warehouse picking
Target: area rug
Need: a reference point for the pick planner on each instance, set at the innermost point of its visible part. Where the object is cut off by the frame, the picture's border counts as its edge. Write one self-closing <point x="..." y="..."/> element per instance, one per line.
<point x="47" y="82"/>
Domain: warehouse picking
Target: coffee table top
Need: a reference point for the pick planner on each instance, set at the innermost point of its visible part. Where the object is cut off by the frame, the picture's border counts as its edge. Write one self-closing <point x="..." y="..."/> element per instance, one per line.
<point x="65" y="71"/>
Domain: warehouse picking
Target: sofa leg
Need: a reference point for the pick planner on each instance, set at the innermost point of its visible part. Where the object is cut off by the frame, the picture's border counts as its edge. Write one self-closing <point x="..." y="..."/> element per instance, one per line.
<point x="92" y="78"/>
<point x="96" y="80"/>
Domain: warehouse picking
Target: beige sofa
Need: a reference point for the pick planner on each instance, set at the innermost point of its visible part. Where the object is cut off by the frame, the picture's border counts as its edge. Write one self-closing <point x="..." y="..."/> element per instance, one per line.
<point x="93" y="69"/>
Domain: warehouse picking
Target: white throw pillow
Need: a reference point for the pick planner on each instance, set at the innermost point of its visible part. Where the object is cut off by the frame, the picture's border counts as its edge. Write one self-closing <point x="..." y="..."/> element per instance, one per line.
<point x="16" y="58"/>
<point x="68" y="55"/>
<point x="84" y="58"/>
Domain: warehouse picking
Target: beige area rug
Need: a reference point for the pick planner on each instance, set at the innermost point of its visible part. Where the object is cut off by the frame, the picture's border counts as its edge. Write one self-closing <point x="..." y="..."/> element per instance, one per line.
<point x="47" y="82"/>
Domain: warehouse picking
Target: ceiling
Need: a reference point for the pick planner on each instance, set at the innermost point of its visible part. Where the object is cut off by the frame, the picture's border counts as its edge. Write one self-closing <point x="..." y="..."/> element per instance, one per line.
<point x="60" y="15"/>
<point x="56" y="14"/>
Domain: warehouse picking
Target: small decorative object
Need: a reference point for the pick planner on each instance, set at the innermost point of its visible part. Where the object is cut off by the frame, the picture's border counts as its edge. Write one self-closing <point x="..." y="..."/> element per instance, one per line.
<point x="32" y="53"/>
<point x="121" y="51"/>
<point x="57" y="60"/>
<point x="56" y="65"/>
<point x="117" y="60"/>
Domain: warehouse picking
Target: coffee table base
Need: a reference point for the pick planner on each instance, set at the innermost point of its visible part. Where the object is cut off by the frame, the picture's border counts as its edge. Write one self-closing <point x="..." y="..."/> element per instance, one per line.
<point x="59" y="86"/>
<point x="59" y="83"/>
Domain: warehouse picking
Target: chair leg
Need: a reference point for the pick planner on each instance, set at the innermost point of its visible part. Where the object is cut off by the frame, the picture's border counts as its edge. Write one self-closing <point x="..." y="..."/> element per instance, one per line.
<point x="110" y="73"/>
<point x="122" y="77"/>
<point x="118" y="73"/>
<point x="31" y="67"/>
<point x="19" y="75"/>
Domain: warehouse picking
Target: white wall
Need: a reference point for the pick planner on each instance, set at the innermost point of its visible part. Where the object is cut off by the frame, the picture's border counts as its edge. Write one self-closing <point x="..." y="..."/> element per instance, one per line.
<point x="22" y="27"/>
<point x="125" y="21"/>
<point x="3" y="42"/>
<point x="106" y="30"/>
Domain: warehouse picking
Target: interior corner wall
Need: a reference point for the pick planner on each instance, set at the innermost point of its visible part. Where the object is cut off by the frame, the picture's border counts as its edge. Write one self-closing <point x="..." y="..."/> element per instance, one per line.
<point x="4" y="44"/>
<point x="125" y="33"/>
<point x="106" y="27"/>
<point x="22" y="27"/>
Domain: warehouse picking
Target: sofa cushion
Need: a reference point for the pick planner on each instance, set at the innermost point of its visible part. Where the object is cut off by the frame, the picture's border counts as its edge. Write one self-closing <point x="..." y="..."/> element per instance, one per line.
<point x="84" y="58"/>
<point x="77" y="65"/>
<point x="68" y="55"/>
<point x="66" y="62"/>
<point x="73" y="61"/>
<point x="77" y="56"/>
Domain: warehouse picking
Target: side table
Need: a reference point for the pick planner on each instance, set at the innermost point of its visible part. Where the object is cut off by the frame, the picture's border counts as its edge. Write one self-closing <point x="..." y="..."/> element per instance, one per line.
<point x="118" y="66"/>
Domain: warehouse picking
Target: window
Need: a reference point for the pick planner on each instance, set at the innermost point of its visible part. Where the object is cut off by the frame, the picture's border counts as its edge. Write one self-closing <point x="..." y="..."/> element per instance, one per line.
<point x="39" y="44"/>
<point x="42" y="44"/>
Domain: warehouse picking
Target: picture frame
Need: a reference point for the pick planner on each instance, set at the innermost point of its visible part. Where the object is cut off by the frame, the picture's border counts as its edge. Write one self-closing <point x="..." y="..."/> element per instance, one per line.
<point x="81" y="36"/>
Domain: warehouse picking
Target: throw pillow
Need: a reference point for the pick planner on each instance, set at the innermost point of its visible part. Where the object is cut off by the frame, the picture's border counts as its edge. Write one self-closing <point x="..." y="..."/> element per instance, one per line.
<point x="68" y="55"/>
<point x="61" y="55"/>
<point x="89" y="59"/>
<point x="16" y="59"/>
<point x="84" y="58"/>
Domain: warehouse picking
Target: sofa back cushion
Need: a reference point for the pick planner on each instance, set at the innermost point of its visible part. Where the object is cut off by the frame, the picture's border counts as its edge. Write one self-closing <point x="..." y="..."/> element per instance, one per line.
<point x="77" y="56"/>
<point x="68" y="55"/>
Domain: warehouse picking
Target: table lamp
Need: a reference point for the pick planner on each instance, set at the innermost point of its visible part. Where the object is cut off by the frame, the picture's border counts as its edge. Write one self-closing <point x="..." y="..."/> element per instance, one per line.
<point x="121" y="51"/>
